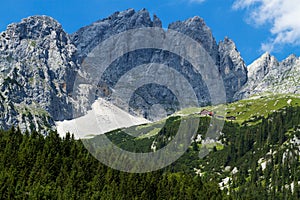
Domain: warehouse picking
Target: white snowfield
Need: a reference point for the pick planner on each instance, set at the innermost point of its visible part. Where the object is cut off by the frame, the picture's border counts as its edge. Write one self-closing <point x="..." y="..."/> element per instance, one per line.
<point x="103" y="117"/>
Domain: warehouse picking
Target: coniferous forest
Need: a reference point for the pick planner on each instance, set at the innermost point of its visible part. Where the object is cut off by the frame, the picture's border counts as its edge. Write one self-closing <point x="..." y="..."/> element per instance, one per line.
<point x="37" y="167"/>
<point x="263" y="159"/>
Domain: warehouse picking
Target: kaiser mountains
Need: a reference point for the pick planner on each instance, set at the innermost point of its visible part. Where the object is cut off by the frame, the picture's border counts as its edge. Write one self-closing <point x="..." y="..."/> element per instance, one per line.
<point x="39" y="62"/>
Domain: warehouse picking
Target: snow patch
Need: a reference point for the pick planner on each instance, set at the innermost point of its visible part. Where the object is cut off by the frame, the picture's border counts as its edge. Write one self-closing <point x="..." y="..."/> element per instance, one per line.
<point x="103" y="117"/>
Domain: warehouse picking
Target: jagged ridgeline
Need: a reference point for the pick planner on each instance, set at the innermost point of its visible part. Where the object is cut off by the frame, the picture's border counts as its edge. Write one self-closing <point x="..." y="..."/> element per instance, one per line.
<point x="268" y="75"/>
<point x="256" y="156"/>
<point x="39" y="62"/>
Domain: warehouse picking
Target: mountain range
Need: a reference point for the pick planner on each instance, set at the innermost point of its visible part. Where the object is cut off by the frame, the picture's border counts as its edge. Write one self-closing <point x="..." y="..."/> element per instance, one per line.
<point x="39" y="62"/>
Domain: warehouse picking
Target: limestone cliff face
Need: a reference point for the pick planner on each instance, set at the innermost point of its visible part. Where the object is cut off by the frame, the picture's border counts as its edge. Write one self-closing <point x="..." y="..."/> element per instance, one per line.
<point x="232" y="67"/>
<point x="39" y="62"/>
<point x="37" y="67"/>
<point x="267" y="75"/>
<point x="87" y="38"/>
<point x="225" y="56"/>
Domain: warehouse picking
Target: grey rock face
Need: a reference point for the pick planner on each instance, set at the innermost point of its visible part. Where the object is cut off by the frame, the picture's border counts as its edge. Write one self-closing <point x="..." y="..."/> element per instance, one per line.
<point x="225" y="56"/>
<point x="197" y="29"/>
<point x="37" y="73"/>
<point x="267" y="75"/>
<point x="39" y="63"/>
<point x="87" y="38"/>
<point x="232" y="68"/>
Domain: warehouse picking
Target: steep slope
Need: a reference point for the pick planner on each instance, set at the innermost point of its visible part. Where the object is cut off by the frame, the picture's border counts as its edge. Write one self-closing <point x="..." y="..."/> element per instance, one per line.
<point x="232" y="67"/>
<point x="197" y="29"/>
<point x="38" y="61"/>
<point x="266" y="74"/>
<point x="37" y="72"/>
<point x="249" y="111"/>
<point x="103" y="117"/>
<point x="225" y="56"/>
<point x="87" y="38"/>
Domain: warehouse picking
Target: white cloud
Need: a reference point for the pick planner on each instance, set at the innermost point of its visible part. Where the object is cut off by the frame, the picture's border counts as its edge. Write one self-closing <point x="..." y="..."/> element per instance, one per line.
<point x="196" y="1"/>
<point x="282" y="15"/>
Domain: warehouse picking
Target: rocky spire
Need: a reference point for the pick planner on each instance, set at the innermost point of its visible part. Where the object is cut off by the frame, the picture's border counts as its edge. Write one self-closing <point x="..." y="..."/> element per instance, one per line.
<point x="156" y="21"/>
<point x="261" y="67"/>
<point x="232" y="67"/>
<point x="197" y="29"/>
<point x="290" y="60"/>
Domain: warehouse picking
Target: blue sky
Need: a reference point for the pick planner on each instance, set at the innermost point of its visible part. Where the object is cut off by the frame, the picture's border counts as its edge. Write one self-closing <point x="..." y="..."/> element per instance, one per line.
<point x="249" y="23"/>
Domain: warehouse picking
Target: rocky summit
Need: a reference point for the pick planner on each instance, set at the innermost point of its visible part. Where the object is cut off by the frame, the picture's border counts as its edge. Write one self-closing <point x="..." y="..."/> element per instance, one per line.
<point x="268" y="75"/>
<point x="225" y="55"/>
<point x="39" y="62"/>
<point x="38" y="67"/>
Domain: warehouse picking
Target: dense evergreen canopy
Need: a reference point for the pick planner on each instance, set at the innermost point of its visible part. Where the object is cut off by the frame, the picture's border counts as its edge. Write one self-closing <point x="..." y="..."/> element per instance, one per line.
<point x="36" y="167"/>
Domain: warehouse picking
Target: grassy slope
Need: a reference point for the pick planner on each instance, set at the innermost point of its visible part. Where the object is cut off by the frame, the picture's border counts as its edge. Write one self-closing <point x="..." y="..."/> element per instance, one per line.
<point x="246" y="109"/>
<point x="213" y="165"/>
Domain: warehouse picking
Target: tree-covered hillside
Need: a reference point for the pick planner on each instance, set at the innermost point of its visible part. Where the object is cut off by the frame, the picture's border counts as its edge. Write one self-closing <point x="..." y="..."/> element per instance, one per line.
<point x="259" y="158"/>
<point x="36" y="167"/>
<point x="249" y="161"/>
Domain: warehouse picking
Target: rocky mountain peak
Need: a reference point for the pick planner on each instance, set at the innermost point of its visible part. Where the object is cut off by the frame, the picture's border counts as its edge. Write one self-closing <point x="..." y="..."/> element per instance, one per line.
<point x="87" y="38"/>
<point x="228" y="48"/>
<point x="260" y="67"/>
<point x="37" y="72"/>
<point x="290" y="60"/>
<point x="139" y="18"/>
<point x="197" y="22"/>
<point x="228" y="43"/>
<point x="232" y="67"/>
<point x="33" y="32"/>
<point x="266" y="74"/>
<point x="196" y="28"/>
<point x="225" y="55"/>
<point x="117" y="15"/>
<point x="33" y="28"/>
<point x="156" y="21"/>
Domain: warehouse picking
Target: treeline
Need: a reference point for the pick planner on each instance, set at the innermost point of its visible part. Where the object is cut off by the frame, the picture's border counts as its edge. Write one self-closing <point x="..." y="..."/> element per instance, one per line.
<point x="36" y="167"/>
